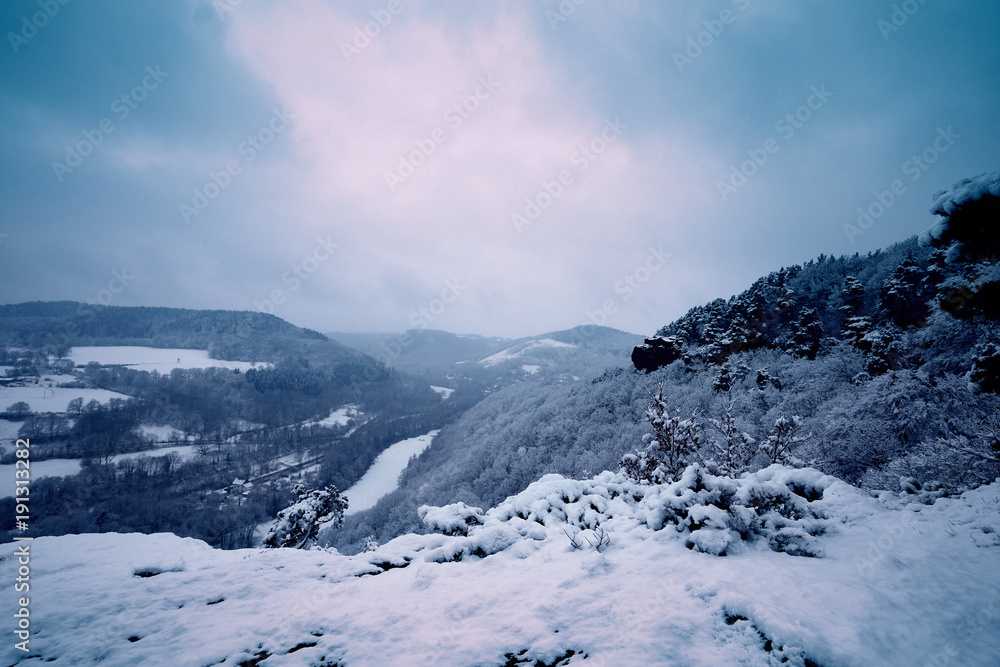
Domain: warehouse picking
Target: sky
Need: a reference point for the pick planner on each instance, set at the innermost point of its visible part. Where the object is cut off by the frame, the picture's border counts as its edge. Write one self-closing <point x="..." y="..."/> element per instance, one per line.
<point x="501" y="168"/>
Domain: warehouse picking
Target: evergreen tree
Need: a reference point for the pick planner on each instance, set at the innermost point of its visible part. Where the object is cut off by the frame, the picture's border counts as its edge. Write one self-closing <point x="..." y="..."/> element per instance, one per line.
<point x="299" y="523"/>
<point x="670" y="448"/>
<point x="808" y="334"/>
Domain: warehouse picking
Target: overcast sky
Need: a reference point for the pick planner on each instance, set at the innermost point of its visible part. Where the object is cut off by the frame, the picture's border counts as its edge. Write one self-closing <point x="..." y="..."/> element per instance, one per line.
<point x="510" y="168"/>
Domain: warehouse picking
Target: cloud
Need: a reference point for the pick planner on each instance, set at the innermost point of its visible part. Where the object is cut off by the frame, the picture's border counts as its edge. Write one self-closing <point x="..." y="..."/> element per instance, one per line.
<point x="424" y="141"/>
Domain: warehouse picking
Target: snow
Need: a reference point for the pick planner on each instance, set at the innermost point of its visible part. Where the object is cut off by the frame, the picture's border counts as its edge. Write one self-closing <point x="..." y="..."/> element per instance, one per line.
<point x="53" y="399"/>
<point x="901" y="584"/>
<point x="383" y="475"/>
<point x="964" y="191"/>
<point x="185" y="452"/>
<point x="948" y="201"/>
<point x="515" y="352"/>
<point x="38" y="469"/>
<point x="339" y="417"/>
<point x="162" y="360"/>
<point x="161" y="433"/>
<point x="69" y="467"/>
<point x="444" y="391"/>
<point x="531" y="369"/>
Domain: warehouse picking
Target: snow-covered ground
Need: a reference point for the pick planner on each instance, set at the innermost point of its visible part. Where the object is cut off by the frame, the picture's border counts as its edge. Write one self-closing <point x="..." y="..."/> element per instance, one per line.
<point x="531" y="369"/>
<point x="163" y="360"/>
<point x="383" y="475"/>
<point x="518" y="351"/>
<point x="444" y="391"/>
<point x="160" y="432"/>
<point x="67" y="467"/>
<point x="339" y="417"/>
<point x="43" y="398"/>
<point x="891" y="584"/>
<point x="38" y="469"/>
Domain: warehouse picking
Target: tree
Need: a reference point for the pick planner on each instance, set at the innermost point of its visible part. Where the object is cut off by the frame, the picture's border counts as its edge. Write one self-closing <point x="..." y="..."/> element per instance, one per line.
<point x="670" y="448"/>
<point x="783" y="436"/>
<point x="299" y="523"/>
<point x="736" y="449"/>
<point x="19" y="410"/>
<point x="967" y="228"/>
<point x="808" y="334"/>
<point x="75" y="407"/>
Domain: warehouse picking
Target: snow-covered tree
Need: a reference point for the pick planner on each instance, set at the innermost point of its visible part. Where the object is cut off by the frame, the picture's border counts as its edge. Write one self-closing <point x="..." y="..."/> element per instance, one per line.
<point x="808" y="334"/>
<point x="985" y="370"/>
<point x="735" y="449"/>
<point x="299" y="523"/>
<point x="782" y="438"/>
<point x="853" y="297"/>
<point x="672" y="446"/>
<point x="968" y="226"/>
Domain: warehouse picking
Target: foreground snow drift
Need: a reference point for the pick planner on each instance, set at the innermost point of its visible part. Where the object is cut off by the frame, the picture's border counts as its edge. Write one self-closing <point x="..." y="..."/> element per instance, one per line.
<point x="878" y="581"/>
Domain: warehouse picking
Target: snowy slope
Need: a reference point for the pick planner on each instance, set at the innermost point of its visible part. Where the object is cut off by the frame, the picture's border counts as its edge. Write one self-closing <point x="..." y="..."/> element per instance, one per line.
<point x="896" y="584"/>
<point x="521" y="349"/>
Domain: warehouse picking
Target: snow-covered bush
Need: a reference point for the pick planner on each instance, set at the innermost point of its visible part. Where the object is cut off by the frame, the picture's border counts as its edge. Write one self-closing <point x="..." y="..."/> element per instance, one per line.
<point x="784" y="508"/>
<point x="716" y="514"/>
<point x="454" y="519"/>
<point x="299" y="523"/>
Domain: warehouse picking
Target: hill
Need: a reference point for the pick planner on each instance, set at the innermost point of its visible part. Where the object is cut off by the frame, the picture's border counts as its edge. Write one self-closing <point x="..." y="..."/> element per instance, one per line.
<point x="889" y="361"/>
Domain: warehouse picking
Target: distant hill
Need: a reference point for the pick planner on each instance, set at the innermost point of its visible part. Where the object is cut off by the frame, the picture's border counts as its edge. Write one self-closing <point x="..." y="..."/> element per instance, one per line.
<point x="56" y="326"/>
<point x="442" y="357"/>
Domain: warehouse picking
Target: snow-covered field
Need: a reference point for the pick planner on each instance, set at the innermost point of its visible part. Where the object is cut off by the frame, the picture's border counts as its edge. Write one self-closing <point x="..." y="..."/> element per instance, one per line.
<point x="339" y="417"/>
<point x="444" y="391"/>
<point x="518" y="351"/>
<point x="383" y="475"/>
<point x="38" y="469"/>
<point x="894" y="584"/>
<point x="52" y="399"/>
<point x="66" y="467"/>
<point x="163" y="360"/>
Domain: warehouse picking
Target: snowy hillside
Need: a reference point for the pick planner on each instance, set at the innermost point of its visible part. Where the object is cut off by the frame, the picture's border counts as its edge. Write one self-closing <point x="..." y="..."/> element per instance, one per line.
<point x="518" y="351"/>
<point x="888" y="583"/>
